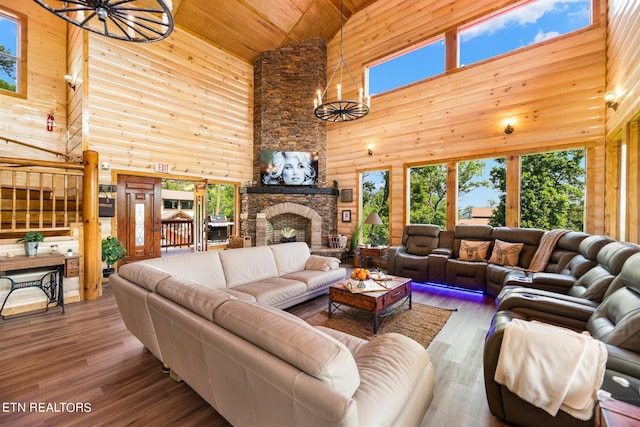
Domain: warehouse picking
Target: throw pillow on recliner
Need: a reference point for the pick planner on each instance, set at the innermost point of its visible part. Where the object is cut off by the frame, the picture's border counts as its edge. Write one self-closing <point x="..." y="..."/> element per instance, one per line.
<point x="471" y="250"/>
<point x="505" y="253"/>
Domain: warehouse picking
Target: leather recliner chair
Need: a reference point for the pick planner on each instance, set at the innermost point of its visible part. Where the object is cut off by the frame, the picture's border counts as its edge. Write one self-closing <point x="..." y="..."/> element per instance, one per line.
<point x="562" y="281"/>
<point x="615" y="322"/>
<point x="409" y="260"/>
<point x="590" y="289"/>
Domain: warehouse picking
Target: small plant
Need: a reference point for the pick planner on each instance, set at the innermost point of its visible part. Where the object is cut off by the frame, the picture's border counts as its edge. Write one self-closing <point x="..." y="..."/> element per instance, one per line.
<point x="288" y="232"/>
<point x="355" y="238"/>
<point x="112" y="250"/>
<point x="32" y="236"/>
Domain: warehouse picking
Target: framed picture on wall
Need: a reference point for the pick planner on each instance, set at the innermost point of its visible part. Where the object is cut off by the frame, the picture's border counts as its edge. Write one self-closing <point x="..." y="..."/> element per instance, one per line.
<point x="346" y="215"/>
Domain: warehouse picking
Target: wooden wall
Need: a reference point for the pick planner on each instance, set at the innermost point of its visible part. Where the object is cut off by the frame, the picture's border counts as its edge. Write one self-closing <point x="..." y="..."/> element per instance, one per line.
<point x="553" y="91"/>
<point x="623" y="62"/>
<point x="623" y="69"/>
<point x="178" y="101"/>
<point x="24" y="118"/>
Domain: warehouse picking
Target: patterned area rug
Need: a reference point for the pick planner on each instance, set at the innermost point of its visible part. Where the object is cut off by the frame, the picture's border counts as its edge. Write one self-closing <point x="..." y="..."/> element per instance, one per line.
<point x="422" y="322"/>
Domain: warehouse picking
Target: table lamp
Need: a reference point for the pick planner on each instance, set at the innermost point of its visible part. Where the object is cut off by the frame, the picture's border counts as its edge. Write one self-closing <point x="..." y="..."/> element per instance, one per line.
<point x="373" y="219"/>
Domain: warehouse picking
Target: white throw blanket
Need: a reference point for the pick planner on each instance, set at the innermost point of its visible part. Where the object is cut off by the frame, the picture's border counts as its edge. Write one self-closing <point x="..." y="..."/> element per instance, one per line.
<point x="552" y="368"/>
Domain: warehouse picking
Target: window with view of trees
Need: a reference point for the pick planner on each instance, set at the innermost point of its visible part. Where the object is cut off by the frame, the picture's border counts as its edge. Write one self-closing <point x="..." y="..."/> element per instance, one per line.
<point x="552" y="190"/>
<point x="10" y="60"/>
<point x="375" y="198"/>
<point x="477" y="197"/>
<point x="428" y="195"/>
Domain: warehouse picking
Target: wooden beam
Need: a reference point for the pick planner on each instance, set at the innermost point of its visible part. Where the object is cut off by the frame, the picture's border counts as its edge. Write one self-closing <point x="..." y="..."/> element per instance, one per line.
<point x="92" y="288"/>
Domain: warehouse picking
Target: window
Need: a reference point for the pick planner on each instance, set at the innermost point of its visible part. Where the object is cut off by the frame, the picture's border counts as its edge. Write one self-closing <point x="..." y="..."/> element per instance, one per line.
<point x="375" y="198"/>
<point x="170" y="204"/>
<point x="428" y="195"/>
<point x="407" y="68"/>
<point x="511" y="29"/>
<point x="186" y="204"/>
<point x="12" y="53"/>
<point x="552" y="190"/>
<point x="478" y="199"/>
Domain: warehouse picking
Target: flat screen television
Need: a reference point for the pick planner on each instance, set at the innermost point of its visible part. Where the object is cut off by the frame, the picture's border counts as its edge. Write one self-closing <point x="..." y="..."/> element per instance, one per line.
<point x="289" y="167"/>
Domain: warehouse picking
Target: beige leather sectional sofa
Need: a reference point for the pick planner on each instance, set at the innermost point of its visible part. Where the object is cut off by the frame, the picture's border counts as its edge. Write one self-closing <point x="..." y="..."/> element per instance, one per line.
<point x="212" y="318"/>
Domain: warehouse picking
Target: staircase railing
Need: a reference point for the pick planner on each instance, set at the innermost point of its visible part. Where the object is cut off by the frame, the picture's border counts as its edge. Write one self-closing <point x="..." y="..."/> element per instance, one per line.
<point x="45" y="198"/>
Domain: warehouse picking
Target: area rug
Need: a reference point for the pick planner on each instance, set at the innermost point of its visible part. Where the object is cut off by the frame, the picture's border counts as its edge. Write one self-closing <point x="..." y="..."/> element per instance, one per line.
<point x="422" y="322"/>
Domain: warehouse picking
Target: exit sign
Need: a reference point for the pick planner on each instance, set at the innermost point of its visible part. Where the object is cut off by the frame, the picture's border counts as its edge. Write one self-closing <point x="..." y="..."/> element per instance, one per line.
<point x="163" y="167"/>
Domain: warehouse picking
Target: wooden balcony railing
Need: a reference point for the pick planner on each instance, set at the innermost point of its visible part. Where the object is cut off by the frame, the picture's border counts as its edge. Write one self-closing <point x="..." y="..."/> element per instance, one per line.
<point x="177" y="233"/>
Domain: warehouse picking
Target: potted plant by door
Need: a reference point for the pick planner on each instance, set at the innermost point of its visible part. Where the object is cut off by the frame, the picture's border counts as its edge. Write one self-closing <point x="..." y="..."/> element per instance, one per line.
<point x="31" y="240"/>
<point x="112" y="251"/>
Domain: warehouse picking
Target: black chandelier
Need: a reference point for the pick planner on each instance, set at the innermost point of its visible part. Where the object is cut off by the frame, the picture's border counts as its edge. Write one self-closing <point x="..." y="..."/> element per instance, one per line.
<point x="128" y="20"/>
<point x="340" y="110"/>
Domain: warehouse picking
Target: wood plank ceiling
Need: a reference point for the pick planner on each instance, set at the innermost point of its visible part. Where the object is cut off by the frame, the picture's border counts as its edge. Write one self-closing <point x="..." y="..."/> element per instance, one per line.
<point x="246" y="28"/>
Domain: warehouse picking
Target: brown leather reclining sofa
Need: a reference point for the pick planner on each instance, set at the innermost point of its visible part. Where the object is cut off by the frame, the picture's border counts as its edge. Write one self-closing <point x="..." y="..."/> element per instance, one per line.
<point x="468" y="257"/>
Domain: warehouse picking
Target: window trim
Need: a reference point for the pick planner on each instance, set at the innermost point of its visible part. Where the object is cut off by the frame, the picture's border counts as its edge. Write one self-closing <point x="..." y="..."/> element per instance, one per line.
<point x="21" y="64"/>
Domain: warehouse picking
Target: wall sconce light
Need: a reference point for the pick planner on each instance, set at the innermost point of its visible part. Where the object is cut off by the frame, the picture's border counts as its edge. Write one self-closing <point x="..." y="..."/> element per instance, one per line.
<point x="71" y="81"/>
<point x="370" y="151"/>
<point x="610" y="100"/>
<point x="509" y="128"/>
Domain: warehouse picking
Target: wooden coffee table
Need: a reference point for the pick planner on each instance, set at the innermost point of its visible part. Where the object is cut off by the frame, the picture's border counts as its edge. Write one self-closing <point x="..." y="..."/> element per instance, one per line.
<point x="378" y="302"/>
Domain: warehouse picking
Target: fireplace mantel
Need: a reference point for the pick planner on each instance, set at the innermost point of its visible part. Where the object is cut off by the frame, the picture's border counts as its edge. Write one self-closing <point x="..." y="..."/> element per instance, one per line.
<point x="289" y="190"/>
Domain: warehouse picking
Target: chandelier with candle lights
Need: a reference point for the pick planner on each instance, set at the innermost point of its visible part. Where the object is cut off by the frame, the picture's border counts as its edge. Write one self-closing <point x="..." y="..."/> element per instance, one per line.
<point x="128" y="20"/>
<point x="340" y="110"/>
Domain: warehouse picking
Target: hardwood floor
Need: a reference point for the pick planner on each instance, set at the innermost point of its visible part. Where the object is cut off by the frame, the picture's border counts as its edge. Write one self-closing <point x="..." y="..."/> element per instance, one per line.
<point x="84" y="368"/>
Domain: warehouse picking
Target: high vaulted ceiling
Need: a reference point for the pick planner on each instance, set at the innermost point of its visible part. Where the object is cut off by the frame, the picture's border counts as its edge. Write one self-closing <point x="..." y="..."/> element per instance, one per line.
<point x="246" y="28"/>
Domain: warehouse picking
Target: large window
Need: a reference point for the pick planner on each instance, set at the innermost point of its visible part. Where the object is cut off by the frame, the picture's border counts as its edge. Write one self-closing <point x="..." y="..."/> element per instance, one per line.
<point x="552" y="190"/>
<point x="428" y="195"/>
<point x="509" y="29"/>
<point x="415" y="65"/>
<point x="478" y="199"/>
<point x="375" y="198"/>
<point x="530" y="23"/>
<point x="11" y="63"/>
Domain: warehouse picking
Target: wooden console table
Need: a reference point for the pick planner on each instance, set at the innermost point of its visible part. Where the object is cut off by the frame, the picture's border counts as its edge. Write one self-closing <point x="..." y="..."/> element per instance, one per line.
<point x="377" y="253"/>
<point x="52" y="267"/>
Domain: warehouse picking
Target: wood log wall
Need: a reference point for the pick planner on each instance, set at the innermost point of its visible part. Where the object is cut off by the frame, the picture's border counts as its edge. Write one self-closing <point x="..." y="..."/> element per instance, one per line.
<point x="623" y="69"/>
<point x="24" y="117"/>
<point x="178" y="101"/>
<point x="553" y="90"/>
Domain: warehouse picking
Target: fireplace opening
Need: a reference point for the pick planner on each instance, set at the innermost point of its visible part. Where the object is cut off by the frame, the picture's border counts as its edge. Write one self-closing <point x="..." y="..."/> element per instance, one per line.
<point x="304" y="220"/>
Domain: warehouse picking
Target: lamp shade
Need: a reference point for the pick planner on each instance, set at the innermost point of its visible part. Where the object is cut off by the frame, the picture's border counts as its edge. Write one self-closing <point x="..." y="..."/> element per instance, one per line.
<point x="373" y="219"/>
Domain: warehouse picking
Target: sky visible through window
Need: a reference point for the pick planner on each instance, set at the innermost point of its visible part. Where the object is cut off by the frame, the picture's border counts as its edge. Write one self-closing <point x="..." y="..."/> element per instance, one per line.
<point x="8" y="39"/>
<point x="532" y="23"/>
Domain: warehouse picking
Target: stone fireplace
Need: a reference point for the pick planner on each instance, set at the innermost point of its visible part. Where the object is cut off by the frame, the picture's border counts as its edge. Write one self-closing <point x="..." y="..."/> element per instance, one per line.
<point x="285" y="80"/>
<point x="305" y="221"/>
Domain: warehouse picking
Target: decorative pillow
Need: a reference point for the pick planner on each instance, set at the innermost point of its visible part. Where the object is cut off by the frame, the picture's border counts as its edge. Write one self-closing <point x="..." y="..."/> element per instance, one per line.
<point x="505" y="253"/>
<point x="322" y="263"/>
<point x="471" y="250"/>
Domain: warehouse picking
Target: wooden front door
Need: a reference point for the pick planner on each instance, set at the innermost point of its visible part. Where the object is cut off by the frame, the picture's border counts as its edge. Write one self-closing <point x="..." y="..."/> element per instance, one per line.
<point x="139" y="220"/>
